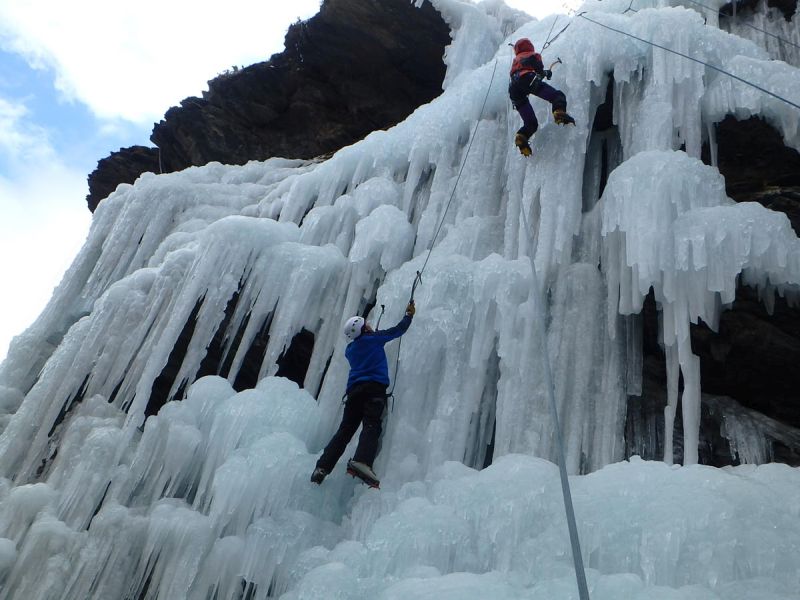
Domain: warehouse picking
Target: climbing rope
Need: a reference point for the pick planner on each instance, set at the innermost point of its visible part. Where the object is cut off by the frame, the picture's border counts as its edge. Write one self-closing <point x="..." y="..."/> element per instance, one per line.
<point x="577" y="557"/>
<point x="547" y="39"/>
<point x="697" y="60"/>
<point x="573" y="530"/>
<point x="630" y="8"/>
<point x="418" y="277"/>
<point x="458" y="178"/>
<point x="550" y="41"/>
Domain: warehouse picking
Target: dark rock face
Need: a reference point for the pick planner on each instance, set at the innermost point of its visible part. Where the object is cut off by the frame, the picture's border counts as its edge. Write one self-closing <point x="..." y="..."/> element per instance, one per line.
<point x="753" y="360"/>
<point x="357" y="66"/>
<point x="754" y="357"/>
<point x="124" y="166"/>
<point x="758" y="167"/>
<point x="749" y="381"/>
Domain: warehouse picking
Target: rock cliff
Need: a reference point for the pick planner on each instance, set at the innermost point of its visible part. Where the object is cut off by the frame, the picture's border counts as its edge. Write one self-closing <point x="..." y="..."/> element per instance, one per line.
<point x="357" y="66"/>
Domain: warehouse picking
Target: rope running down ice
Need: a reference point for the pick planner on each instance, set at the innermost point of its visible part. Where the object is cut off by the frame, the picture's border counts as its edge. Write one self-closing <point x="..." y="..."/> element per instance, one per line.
<point x="418" y="277"/>
<point x="577" y="557"/>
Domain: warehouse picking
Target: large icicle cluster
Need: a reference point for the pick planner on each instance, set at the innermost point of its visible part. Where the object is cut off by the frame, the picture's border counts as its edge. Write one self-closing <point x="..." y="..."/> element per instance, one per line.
<point x="210" y="497"/>
<point x="669" y="226"/>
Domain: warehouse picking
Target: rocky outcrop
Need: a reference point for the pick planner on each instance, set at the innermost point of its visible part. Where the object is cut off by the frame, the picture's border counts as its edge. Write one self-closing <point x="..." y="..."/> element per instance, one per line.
<point x="758" y="167"/>
<point x="754" y="357"/>
<point x="124" y="166"/>
<point x="357" y="66"/>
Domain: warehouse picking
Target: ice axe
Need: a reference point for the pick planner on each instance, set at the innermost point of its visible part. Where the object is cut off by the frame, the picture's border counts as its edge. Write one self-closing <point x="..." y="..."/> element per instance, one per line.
<point x="549" y="71"/>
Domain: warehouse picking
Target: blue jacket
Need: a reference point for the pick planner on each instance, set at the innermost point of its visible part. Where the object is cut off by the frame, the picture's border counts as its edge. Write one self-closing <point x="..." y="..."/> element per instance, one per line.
<point x="366" y="355"/>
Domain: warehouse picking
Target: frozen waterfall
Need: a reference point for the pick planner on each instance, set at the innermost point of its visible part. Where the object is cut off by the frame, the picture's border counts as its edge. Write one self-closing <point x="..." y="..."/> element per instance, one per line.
<point x="132" y="470"/>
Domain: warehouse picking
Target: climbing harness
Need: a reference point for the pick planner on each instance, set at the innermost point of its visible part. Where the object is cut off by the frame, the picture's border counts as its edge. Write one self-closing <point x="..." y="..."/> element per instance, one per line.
<point x="697" y="60"/>
<point x="577" y="558"/>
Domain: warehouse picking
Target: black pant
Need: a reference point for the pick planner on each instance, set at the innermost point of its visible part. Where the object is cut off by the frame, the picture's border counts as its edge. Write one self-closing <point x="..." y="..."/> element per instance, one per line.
<point x="365" y="405"/>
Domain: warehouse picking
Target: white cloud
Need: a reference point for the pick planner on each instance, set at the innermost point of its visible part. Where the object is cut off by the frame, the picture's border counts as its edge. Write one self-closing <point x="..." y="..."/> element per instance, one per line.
<point x="20" y="141"/>
<point x="134" y="60"/>
<point x="42" y="225"/>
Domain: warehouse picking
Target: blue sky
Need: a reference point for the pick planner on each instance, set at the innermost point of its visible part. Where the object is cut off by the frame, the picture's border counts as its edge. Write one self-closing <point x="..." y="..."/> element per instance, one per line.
<point x="81" y="79"/>
<point x="66" y="122"/>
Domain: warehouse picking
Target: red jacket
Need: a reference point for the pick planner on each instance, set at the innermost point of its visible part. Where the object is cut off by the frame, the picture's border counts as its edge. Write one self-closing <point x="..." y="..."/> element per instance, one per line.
<point x="526" y="59"/>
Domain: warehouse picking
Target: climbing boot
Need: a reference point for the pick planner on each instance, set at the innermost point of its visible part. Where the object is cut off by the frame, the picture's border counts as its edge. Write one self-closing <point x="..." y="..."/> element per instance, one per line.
<point x="521" y="142"/>
<point x="363" y="472"/>
<point x="562" y="117"/>
<point x="318" y="476"/>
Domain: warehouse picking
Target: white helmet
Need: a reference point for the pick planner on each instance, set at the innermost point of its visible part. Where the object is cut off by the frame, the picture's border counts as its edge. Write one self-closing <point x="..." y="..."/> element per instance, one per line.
<point x="353" y="327"/>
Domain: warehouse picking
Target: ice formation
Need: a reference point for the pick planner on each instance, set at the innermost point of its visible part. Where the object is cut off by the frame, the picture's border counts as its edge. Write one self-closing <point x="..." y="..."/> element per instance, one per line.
<point x="210" y="497"/>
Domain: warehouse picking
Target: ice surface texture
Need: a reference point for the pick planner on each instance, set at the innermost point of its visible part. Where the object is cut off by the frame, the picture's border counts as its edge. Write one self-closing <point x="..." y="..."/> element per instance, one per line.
<point x="210" y="497"/>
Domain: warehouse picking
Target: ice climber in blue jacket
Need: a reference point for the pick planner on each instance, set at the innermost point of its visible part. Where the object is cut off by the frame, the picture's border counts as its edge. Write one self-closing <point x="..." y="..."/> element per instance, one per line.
<point x="366" y="398"/>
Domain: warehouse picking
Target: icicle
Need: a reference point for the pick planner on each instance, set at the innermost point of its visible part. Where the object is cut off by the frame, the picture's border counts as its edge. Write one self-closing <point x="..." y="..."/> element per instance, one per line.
<point x="673" y="372"/>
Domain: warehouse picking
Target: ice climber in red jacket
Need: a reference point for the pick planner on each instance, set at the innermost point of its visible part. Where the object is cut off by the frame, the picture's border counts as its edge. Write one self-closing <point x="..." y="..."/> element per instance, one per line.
<point x="527" y="77"/>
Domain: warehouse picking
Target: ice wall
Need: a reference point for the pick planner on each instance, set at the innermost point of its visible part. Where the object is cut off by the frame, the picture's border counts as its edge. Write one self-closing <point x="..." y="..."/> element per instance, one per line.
<point x="211" y="496"/>
<point x="766" y="26"/>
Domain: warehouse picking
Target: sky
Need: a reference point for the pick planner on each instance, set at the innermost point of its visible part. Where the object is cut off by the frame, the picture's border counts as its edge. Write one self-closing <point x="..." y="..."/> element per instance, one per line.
<point x="82" y="79"/>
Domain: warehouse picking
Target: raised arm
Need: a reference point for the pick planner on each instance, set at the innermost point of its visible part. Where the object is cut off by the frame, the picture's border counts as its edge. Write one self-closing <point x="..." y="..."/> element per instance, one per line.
<point x="387" y="335"/>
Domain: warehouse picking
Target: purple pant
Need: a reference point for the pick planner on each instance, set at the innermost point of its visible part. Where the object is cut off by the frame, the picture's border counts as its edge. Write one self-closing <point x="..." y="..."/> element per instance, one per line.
<point x="518" y="90"/>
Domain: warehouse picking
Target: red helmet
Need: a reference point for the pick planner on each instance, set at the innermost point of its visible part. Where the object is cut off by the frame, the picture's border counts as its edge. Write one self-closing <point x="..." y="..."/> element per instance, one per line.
<point x="523" y="45"/>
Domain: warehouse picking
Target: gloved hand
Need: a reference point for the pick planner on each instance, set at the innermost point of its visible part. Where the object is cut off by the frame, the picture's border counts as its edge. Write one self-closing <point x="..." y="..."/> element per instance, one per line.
<point x="410" y="309"/>
<point x="548" y="74"/>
